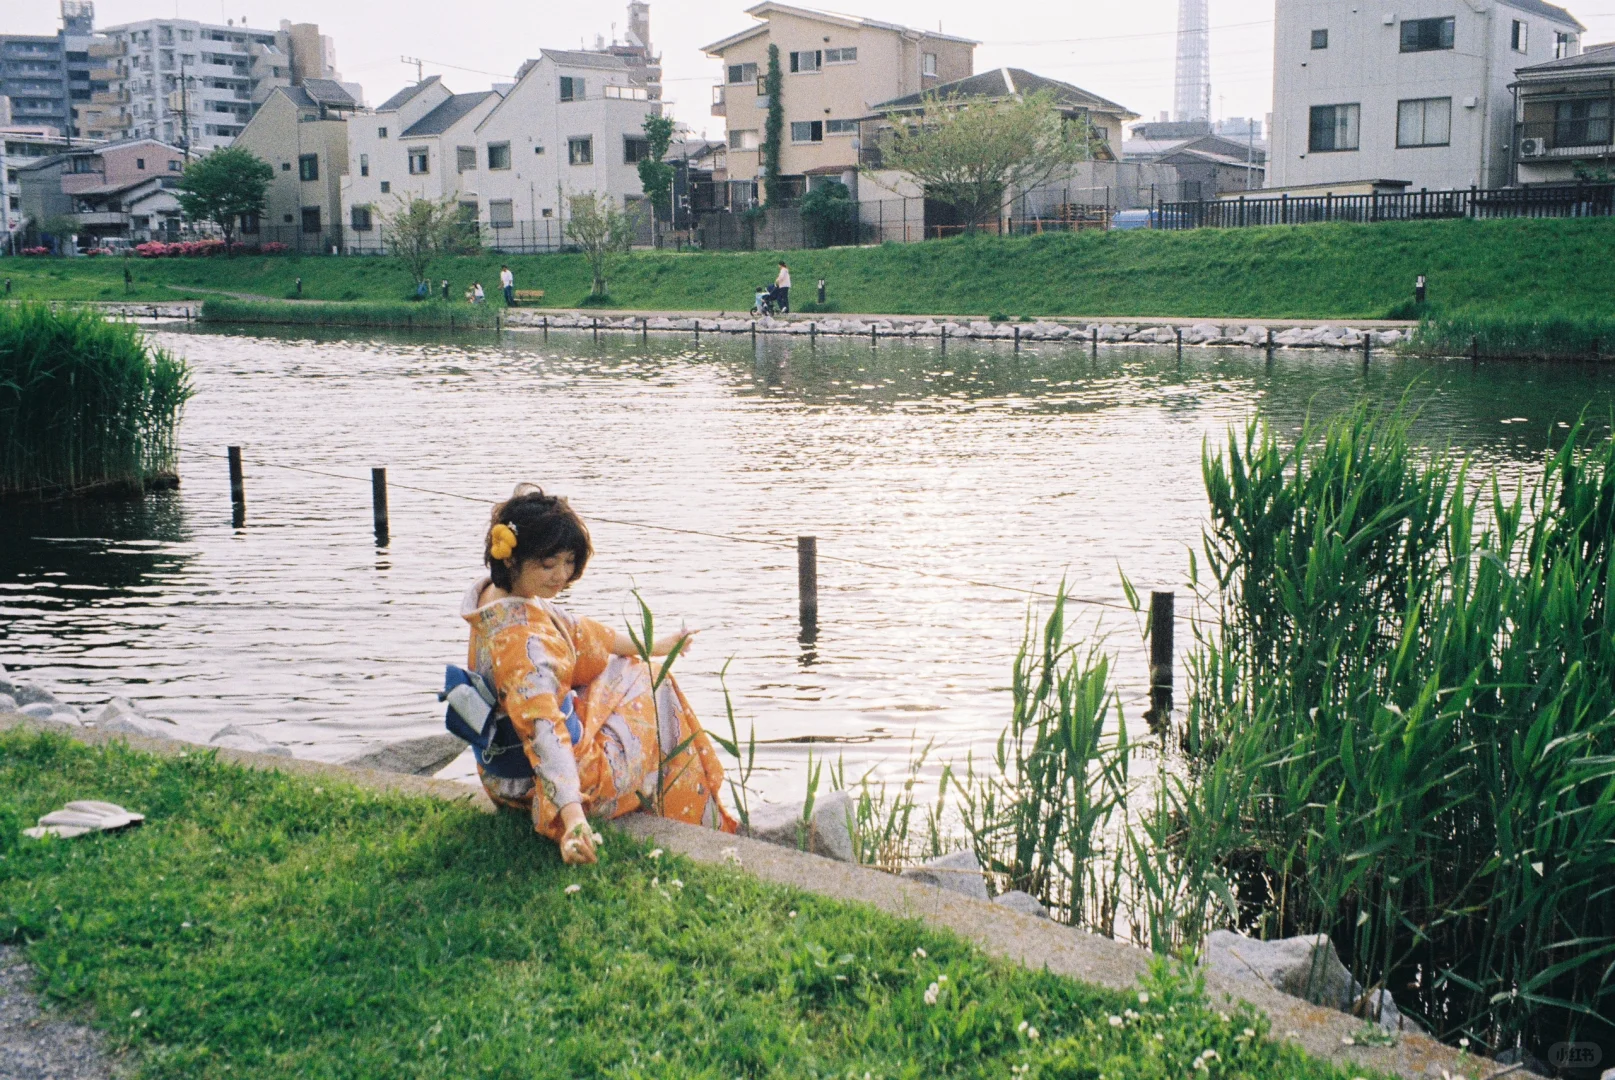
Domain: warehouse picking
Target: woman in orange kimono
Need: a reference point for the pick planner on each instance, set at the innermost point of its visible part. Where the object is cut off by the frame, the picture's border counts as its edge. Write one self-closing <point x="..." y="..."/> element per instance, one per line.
<point x="601" y="736"/>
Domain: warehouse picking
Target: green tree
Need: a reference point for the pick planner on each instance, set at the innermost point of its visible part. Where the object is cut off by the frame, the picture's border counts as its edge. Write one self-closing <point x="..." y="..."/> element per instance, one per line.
<point x="223" y="185"/>
<point x="417" y="230"/>
<point x="656" y="175"/>
<point x="830" y="212"/>
<point x="978" y="157"/>
<point x="601" y="230"/>
<point x="773" y="131"/>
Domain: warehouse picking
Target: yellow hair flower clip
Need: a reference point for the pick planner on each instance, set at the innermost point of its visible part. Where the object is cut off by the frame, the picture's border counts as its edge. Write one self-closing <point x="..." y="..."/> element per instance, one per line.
<point x="502" y="541"/>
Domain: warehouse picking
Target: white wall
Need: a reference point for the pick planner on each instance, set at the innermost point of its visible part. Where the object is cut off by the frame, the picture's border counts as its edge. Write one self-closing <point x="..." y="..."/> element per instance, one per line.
<point x="1363" y="64"/>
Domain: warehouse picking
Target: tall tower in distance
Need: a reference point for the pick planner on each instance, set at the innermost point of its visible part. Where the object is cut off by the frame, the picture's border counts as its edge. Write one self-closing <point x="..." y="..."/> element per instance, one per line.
<point x="1191" y="97"/>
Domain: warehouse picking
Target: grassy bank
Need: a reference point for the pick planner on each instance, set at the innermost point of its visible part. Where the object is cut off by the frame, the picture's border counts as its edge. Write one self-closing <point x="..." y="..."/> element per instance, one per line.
<point x="392" y="315"/>
<point x="84" y="403"/>
<point x="259" y="925"/>
<point x="1534" y="267"/>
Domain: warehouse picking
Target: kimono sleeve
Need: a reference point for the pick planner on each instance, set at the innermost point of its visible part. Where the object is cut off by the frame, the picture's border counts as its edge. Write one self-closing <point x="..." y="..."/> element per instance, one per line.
<point x="593" y="643"/>
<point x="526" y="660"/>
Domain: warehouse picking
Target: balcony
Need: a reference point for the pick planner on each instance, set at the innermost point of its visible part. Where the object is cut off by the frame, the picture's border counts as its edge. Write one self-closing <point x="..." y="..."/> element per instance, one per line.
<point x="1572" y="137"/>
<point x="109" y="97"/>
<point x="102" y="219"/>
<point x="720" y="106"/>
<point x="102" y="50"/>
<point x="104" y="74"/>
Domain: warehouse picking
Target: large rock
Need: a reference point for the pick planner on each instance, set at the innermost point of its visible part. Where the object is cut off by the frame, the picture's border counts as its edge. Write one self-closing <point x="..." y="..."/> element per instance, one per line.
<point x="236" y="737"/>
<point x="1304" y="967"/>
<point x="1025" y="903"/>
<point x="958" y="872"/>
<point x="828" y="833"/>
<point x="8" y="704"/>
<point x="120" y="716"/>
<point x="28" y="694"/>
<point x="424" y="756"/>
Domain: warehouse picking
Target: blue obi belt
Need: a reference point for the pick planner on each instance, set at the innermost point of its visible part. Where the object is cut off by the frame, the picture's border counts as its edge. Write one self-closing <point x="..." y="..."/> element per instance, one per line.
<point x="474" y="714"/>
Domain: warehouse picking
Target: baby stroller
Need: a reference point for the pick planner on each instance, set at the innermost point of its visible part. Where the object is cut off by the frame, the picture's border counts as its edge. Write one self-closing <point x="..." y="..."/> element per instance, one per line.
<point x="766" y="302"/>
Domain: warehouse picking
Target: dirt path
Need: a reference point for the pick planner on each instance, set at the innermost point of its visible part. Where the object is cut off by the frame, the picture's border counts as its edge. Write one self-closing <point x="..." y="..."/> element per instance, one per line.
<point x="37" y="1046"/>
<point x="219" y="292"/>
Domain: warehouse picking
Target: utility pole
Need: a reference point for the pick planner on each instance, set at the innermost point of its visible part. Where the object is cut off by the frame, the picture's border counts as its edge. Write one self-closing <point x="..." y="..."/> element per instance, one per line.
<point x="1250" y="152"/>
<point x="419" y="64"/>
<point x="184" y="113"/>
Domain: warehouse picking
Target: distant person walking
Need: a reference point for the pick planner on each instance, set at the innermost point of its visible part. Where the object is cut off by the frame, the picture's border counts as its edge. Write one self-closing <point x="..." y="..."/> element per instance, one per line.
<point x="128" y="281"/>
<point x="507" y="282"/>
<point x="782" y="288"/>
<point x="445" y="288"/>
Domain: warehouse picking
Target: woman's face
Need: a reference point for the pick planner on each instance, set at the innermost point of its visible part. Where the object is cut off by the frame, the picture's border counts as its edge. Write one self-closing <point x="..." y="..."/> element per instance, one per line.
<point x="544" y="578"/>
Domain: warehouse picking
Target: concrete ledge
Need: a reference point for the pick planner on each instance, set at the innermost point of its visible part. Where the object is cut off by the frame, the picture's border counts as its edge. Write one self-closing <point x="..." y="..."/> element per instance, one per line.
<point x="1031" y="942"/>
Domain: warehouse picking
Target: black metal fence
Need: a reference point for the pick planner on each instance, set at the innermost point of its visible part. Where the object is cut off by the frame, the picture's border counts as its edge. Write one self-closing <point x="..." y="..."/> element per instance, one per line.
<point x="1578" y="200"/>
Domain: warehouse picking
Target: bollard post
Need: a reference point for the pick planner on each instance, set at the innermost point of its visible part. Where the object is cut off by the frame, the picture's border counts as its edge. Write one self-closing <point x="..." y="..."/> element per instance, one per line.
<point x="1178" y="331"/>
<point x="1017" y="339"/>
<point x="813" y="335"/>
<point x="1368" y="337"/>
<point x="546" y="328"/>
<point x="1095" y="329"/>
<point x="1270" y="343"/>
<point x="644" y="331"/>
<point x="807" y="580"/>
<point x="821" y="290"/>
<point x="1474" y="348"/>
<point x="597" y="331"/>
<point x="378" y="504"/>
<point x="238" y="487"/>
<point x="1161" y="656"/>
<point x="871" y="334"/>
<point x="754" y="331"/>
<point x="697" y="322"/>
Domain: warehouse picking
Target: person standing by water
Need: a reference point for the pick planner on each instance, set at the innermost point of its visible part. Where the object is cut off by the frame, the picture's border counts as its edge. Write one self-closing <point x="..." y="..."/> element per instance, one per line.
<point x="507" y="282"/>
<point x="782" y="288"/>
<point x="477" y="295"/>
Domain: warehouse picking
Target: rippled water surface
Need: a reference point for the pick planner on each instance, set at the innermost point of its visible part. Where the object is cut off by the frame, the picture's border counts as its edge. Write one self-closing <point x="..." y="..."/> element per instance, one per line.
<point x="966" y="475"/>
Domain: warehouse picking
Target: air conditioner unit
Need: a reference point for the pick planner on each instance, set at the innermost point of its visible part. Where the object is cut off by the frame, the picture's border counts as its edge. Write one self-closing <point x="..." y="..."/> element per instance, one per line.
<point x="1533" y="147"/>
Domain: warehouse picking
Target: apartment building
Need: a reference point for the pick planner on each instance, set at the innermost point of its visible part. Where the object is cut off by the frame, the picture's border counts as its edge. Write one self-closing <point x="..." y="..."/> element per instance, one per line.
<point x="33" y="77"/>
<point x="197" y="84"/>
<point x="302" y="132"/>
<point x="835" y="69"/>
<point x="21" y="146"/>
<point x="1418" y="91"/>
<point x="124" y="190"/>
<point x="1564" y="127"/>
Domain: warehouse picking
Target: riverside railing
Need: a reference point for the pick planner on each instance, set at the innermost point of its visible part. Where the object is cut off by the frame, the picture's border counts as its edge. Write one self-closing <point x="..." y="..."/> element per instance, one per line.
<point x="1580" y="200"/>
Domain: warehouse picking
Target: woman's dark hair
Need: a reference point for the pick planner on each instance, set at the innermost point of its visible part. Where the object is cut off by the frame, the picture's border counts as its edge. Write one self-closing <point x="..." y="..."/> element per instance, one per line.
<point x="544" y="525"/>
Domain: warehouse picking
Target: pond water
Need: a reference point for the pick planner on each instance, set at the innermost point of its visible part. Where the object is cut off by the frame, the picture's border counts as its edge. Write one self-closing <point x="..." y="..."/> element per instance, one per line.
<point x="965" y="475"/>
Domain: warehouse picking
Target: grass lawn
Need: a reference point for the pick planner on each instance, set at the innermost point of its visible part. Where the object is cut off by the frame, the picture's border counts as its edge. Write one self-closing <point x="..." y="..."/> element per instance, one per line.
<point x="1523" y="266"/>
<point x="261" y="926"/>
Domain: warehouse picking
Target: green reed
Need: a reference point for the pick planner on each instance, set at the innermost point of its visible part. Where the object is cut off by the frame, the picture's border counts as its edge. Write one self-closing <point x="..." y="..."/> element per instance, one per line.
<point x="1517" y="335"/>
<point x="1401" y="729"/>
<point x="83" y="402"/>
<point x="430" y="315"/>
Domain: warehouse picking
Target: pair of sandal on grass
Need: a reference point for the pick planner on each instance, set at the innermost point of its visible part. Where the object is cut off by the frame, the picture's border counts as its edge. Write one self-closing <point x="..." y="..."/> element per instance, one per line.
<point x="84" y="816"/>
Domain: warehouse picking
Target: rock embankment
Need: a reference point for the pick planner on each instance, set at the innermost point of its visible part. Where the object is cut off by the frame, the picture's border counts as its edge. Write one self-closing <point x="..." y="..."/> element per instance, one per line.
<point x="1247" y="335"/>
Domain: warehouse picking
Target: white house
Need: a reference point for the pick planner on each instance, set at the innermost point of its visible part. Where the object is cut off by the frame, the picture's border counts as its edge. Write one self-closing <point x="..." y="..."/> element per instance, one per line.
<point x="573" y="123"/>
<point x="412" y="145"/>
<point x="1412" y="90"/>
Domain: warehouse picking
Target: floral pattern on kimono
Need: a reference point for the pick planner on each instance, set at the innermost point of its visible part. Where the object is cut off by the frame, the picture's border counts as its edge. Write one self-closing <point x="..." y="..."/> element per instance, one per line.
<point x="640" y="749"/>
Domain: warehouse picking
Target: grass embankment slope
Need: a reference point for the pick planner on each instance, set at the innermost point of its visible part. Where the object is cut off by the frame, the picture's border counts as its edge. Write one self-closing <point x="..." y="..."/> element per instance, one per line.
<point x="1529" y="267"/>
<point x="259" y="925"/>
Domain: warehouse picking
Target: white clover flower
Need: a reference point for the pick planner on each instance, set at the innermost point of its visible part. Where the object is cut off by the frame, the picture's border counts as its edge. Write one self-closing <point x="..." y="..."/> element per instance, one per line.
<point x="1116" y="1021"/>
<point x="1031" y="1033"/>
<point x="656" y="853"/>
<point x="655" y="882"/>
<point x="1464" y="1042"/>
<point x="572" y="888"/>
<point x="919" y="953"/>
<point x="790" y="915"/>
<point x="731" y="855"/>
<point x="1347" y="1040"/>
<point x="931" y="993"/>
<point x="1249" y="1033"/>
<point x="941" y="978"/>
<point x="1129" y="1014"/>
<point x="599" y="841"/>
<point x="676" y="884"/>
<point x="1209" y="1054"/>
<point x="136" y="1014"/>
<point x="1022" y="1026"/>
<point x="1143" y="997"/>
<point x="1160" y="1037"/>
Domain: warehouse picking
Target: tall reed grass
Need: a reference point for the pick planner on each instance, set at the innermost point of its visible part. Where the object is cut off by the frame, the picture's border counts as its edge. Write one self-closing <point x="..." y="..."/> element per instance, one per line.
<point x="432" y="315"/>
<point x="83" y="402"/>
<point x="1402" y="727"/>
<point x="1517" y="336"/>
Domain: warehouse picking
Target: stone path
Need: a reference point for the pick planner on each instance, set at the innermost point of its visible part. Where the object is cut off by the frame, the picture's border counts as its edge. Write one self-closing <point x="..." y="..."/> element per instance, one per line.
<point x="35" y="1045"/>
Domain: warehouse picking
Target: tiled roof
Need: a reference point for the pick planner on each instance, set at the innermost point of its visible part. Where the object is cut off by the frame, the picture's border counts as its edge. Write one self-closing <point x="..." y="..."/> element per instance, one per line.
<point x="1592" y="57"/>
<point x="329" y="92"/>
<point x="577" y="58"/>
<point x="1002" y="83"/>
<point x="447" y="114"/>
<point x="400" y="99"/>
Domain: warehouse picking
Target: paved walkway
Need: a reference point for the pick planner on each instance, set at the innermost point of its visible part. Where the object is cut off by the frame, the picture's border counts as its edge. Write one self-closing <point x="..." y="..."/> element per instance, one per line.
<point x="1066" y="320"/>
<point x="35" y="1045"/>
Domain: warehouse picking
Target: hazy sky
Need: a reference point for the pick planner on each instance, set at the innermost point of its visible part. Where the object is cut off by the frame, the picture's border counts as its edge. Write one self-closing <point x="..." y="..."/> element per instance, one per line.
<point x="1122" y="51"/>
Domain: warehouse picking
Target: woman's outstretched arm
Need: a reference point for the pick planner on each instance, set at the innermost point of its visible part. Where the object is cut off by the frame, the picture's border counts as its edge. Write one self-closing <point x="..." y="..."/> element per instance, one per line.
<point x="623" y="644"/>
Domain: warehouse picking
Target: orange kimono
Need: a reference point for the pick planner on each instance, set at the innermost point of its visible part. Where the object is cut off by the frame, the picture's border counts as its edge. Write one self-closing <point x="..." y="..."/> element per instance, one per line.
<point x="639" y="748"/>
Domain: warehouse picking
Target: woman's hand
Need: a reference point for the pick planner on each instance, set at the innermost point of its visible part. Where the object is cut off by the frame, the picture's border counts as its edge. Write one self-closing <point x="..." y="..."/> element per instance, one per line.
<point x="577" y="842"/>
<point x="665" y="644"/>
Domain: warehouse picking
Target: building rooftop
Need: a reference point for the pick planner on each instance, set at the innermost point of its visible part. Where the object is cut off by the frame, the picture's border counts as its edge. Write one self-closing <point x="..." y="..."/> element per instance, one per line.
<point x="328" y="92"/>
<point x="769" y="7"/>
<point x="1589" y="59"/>
<point x="1002" y="83"/>
<point x="404" y="96"/>
<point x="447" y="114"/>
<point x="579" y="58"/>
<point x="1550" y="11"/>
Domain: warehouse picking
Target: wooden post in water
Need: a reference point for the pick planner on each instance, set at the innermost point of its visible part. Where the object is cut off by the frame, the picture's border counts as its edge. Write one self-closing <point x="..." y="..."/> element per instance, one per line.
<point x="871" y="334"/>
<point x="754" y="331"/>
<point x="1178" y="330"/>
<point x="597" y="330"/>
<point x="1474" y="348"/>
<point x="546" y="328"/>
<point x="944" y="339"/>
<point x="1017" y="339"/>
<point x="1368" y="339"/>
<point x="1161" y="655"/>
<point x="644" y="331"/>
<point x="238" y="487"/>
<point x="807" y="580"/>
<point x="378" y="504"/>
<point x="1095" y="339"/>
<point x="1270" y="343"/>
<point x="697" y="322"/>
<point x="813" y="335"/>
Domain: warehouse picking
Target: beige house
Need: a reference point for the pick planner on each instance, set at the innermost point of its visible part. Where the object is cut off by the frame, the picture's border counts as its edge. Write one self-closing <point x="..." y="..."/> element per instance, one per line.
<point x="302" y="131"/>
<point x="834" y="70"/>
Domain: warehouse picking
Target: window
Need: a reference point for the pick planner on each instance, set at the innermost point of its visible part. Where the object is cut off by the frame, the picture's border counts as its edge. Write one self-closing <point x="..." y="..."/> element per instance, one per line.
<point x="308" y="167"/>
<point x="1517" y="36"/>
<point x="420" y="161"/>
<point x="285" y="166"/>
<point x="538" y="149"/>
<point x="381" y="133"/>
<point x="803" y="131"/>
<point x="364" y="164"/>
<point x="1424" y="122"/>
<point x="287" y="218"/>
<point x="1320" y="39"/>
<point x="499" y="155"/>
<point x="928" y="64"/>
<point x="386" y="187"/>
<point x="1333" y="127"/>
<point x="1426" y="35"/>
<point x="1581" y="123"/>
<point x="742" y="73"/>
<point x="311" y="219"/>
<point x="140" y="163"/>
<point x="360" y="219"/>
<point x="634" y="149"/>
<point x="744" y="140"/>
<point x="249" y="223"/>
<point x="580" y="151"/>
<point x="1563" y="44"/>
<point x="626" y="93"/>
<point x="174" y="166"/>
<point x="502" y="214"/>
<point x="840" y="56"/>
<point x="571" y="88"/>
<point x="806" y="61"/>
<point x="465" y="158"/>
<point x="841" y="127"/>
